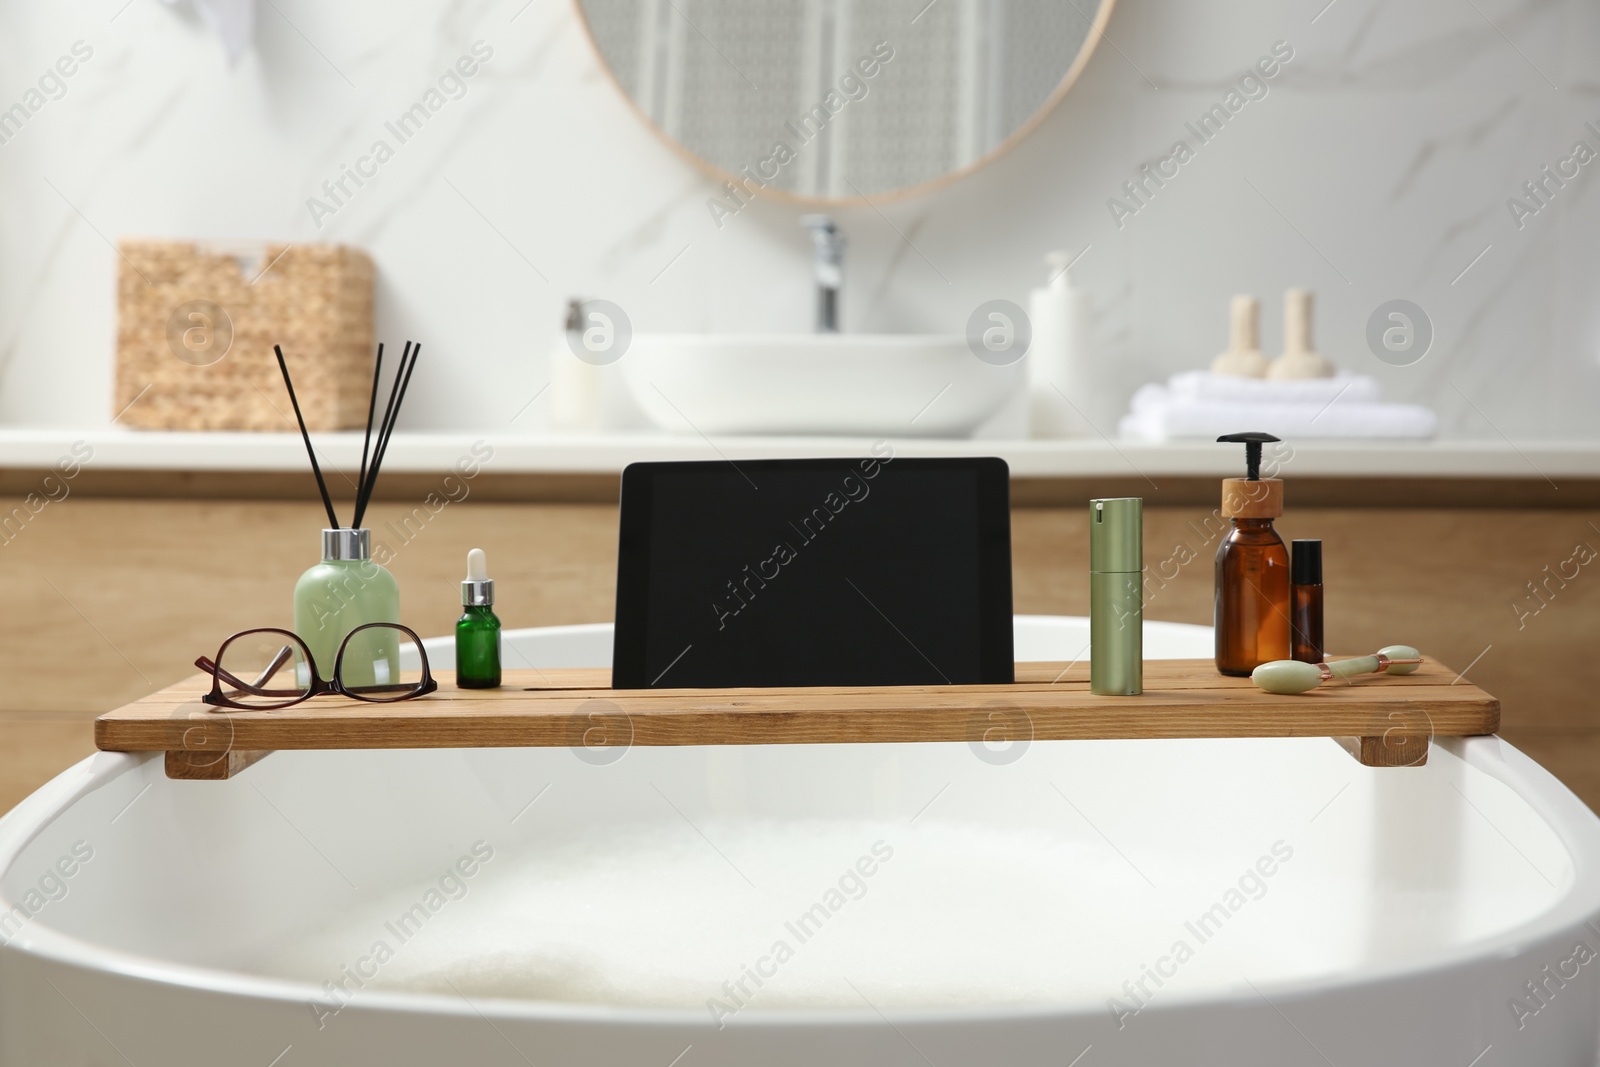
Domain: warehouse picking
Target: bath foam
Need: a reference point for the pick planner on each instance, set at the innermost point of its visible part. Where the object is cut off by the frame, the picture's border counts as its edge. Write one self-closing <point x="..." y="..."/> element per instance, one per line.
<point x="859" y="914"/>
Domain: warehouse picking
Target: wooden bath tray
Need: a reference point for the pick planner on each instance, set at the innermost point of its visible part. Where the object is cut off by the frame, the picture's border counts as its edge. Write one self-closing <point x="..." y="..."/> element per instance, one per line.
<point x="1382" y="720"/>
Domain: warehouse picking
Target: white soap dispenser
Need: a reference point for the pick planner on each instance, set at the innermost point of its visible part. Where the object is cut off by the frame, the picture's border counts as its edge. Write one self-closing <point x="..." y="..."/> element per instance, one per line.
<point x="1066" y="389"/>
<point x="575" y="385"/>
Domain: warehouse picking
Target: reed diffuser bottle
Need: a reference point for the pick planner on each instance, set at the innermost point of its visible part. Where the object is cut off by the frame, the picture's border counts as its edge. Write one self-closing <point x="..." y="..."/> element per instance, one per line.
<point x="1252" y="594"/>
<point x="348" y="588"/>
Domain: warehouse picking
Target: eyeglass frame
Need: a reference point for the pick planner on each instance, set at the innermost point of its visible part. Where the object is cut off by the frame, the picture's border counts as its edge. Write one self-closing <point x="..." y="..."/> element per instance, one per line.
<point x="318" y="685"/>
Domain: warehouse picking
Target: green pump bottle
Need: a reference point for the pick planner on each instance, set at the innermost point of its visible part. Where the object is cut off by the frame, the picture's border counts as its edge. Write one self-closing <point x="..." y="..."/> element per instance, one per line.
<point x="1116" y="596"/>
<point x="478" y="630"/>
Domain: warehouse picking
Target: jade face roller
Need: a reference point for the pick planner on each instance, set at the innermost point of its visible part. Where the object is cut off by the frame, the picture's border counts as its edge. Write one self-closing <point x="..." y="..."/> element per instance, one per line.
<point x="1288" y="676"/>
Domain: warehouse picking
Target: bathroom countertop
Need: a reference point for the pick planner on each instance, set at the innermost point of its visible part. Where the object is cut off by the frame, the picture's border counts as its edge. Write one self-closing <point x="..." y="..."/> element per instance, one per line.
<point x="438" y="451"/>
<point x="548" y="460"/>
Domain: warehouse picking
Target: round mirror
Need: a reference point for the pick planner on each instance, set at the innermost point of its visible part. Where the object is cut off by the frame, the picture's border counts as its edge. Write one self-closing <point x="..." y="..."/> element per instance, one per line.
<point x="825" y="100"/>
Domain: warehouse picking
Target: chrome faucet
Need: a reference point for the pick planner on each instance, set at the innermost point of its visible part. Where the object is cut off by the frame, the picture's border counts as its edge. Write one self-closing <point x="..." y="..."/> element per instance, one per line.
<point x="828" y="269"/>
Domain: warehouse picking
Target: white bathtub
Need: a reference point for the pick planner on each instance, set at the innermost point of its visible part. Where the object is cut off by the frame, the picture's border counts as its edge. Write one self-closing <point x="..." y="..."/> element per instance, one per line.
<point x="1412" y="912"/>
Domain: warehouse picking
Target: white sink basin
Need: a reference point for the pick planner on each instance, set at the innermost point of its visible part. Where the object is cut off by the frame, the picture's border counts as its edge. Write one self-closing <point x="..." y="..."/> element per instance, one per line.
<point x="844" y="384"/>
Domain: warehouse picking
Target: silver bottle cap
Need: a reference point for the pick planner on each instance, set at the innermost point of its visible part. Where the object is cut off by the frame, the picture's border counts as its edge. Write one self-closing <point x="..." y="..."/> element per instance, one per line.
<point x="346" y="543"/>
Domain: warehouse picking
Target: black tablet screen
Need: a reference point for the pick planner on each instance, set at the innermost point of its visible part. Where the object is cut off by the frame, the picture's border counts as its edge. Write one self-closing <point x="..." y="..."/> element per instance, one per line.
<point x="872" y="571"/>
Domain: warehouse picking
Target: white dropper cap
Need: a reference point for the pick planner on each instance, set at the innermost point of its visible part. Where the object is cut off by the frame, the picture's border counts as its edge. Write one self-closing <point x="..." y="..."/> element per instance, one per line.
<point x="478" y="589"/>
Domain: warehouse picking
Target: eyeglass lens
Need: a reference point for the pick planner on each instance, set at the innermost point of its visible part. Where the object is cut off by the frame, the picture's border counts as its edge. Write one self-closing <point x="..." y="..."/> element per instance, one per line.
<point x="381" y="663"/>
<point x="263" y="670"/>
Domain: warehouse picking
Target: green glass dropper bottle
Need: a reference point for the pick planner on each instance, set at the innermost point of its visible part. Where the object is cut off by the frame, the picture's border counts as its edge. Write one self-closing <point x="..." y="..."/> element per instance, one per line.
<point x="478" y="630"/>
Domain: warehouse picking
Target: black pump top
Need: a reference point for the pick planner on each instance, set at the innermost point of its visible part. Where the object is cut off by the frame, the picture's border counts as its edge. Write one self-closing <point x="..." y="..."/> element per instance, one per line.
<point x="1252" y="441"/>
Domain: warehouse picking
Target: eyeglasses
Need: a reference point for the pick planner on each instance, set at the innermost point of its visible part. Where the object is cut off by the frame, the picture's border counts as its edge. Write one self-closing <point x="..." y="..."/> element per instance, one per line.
<point x="379" y="662"/>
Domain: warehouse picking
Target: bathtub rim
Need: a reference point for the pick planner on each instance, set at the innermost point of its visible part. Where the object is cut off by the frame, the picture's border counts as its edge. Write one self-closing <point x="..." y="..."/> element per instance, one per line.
<point x="1575" y="826"/>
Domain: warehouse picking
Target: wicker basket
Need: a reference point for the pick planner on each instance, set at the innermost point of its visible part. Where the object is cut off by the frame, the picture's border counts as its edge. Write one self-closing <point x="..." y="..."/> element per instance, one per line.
<point x="195" y="330"/>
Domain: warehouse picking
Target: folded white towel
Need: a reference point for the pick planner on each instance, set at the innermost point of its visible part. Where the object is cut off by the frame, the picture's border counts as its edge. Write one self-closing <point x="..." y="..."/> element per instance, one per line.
<point x="1158" y="421"/>
<point x="1203" y="385"/>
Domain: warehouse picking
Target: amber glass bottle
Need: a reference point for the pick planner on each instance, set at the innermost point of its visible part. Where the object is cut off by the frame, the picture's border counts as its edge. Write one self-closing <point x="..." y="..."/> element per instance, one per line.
<point x="1252" y="591"/>
<point x="1305" y="601"/>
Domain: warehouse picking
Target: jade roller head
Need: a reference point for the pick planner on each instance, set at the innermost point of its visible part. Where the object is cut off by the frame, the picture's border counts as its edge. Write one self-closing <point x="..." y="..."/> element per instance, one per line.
<point x="1288" y="676"/>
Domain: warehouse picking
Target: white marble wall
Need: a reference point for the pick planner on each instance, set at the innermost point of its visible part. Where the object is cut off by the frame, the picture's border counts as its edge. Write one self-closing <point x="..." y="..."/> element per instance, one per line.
<point x="1378" y="167"/>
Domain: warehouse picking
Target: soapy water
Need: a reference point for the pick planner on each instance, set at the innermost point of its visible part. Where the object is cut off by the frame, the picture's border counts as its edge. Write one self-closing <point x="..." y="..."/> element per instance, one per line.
<point x="853" y="914"/>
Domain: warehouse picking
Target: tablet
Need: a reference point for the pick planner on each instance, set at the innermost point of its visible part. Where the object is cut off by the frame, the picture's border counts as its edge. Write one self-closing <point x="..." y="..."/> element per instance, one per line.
<point x="870" y="571"/>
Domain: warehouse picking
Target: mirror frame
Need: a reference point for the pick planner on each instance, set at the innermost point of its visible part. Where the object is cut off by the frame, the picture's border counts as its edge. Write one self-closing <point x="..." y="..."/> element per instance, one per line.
<point x="1097" y="32"/>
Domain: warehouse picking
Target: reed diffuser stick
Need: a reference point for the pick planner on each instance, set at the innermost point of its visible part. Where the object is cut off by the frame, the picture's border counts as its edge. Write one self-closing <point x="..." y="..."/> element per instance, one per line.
<point x="322" y="486"/>
<point x="405" y="386"/>
<point x="388" y="410"/>
<point x="372" y="406"/>
<point x="391" y="414"/>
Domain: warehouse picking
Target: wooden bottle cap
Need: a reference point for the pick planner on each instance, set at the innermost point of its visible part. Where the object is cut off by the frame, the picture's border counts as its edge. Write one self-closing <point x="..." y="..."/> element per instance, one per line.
<point x="1244" y="499"/>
